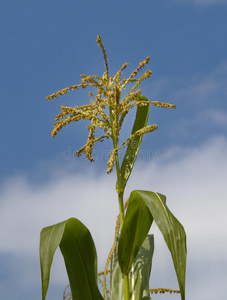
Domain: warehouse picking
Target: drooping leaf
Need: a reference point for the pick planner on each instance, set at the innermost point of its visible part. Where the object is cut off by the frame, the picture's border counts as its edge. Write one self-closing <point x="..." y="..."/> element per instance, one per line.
<point x="78" y="250"/>
<point x="137" y="223"/>
<point x="172" y="231"/>
<point x="132" y="150"/>
<point x="138" y="276"/>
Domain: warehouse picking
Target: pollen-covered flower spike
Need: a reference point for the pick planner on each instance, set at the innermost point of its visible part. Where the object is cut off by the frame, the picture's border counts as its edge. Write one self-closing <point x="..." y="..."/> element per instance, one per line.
<point x="106" y="109"/>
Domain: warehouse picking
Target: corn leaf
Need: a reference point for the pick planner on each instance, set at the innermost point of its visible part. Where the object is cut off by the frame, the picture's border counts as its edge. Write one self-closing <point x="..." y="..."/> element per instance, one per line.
<point x="78" y="250"/>
<point x="137" y="223"/>
<point x="172" y="231"/>
<point x="132" y="150"/>
<point x="138" y="276"/>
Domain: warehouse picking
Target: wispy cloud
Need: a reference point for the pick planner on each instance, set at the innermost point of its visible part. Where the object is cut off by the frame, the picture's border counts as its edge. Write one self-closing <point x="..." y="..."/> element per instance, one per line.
<point x="218" y="117"/>
<point x="206" y="2"/>
<point x="194" y="180"/>
<point x="196" y="88"/>
<point x="212" y="84"/>
<point x="201" y="102"/>
<point x="201" y="2"/>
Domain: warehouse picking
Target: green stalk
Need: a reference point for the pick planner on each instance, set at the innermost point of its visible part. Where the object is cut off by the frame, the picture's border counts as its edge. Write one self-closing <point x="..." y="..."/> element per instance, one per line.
<point x="126" y="287"/>
<point x="119" y="189"/>
<point x="120" y="192"/>
<point x="121" y="208"/>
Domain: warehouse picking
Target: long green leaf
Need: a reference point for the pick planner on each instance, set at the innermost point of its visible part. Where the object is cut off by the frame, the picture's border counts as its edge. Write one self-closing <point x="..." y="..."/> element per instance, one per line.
<point x="138" y="276"/>
<point x="132" y="150"/>
<point x="172" y="231"/>
<point x="137" y="223"/>
<point x="78" y="250"/>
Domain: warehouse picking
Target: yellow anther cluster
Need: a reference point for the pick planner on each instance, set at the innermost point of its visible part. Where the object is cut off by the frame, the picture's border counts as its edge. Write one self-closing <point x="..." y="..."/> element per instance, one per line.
<point x="163" y="104"/>
<point x="162" y="291"/>
<point x="111" y="160"/>
<point x="142" y="131"/>
<point x="106" y="110"/>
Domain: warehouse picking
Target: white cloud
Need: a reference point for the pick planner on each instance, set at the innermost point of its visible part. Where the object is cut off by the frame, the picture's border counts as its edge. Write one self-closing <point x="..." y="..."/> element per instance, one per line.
<point x="210" y="1"/>
<point x="196" y="88"/>
<point x="194" y="180"/>
<point x="201" y="104"/>
<point x="201" y="2"/>
<point x="219" y="117"/>
<point x="25" y="209"/>
<point x="195" y="187"/>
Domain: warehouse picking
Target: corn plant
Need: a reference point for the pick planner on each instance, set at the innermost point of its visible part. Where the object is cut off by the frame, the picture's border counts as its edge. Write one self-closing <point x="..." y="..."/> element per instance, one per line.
<point x="129" y="262"/>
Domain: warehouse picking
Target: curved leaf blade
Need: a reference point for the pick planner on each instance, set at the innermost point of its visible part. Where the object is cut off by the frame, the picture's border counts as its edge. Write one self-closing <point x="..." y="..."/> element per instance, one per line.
<point x="50" y="238"/>
<point x="132" y="150"/>
<point x="78" y="250"/>
<point x="172" y="231"/>
<point x="137" y="223"/>
<point x="138" y="276"/>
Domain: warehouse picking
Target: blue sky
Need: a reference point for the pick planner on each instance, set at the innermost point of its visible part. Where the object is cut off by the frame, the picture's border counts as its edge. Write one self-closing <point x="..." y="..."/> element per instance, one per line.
<point x="45" y="46"/>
